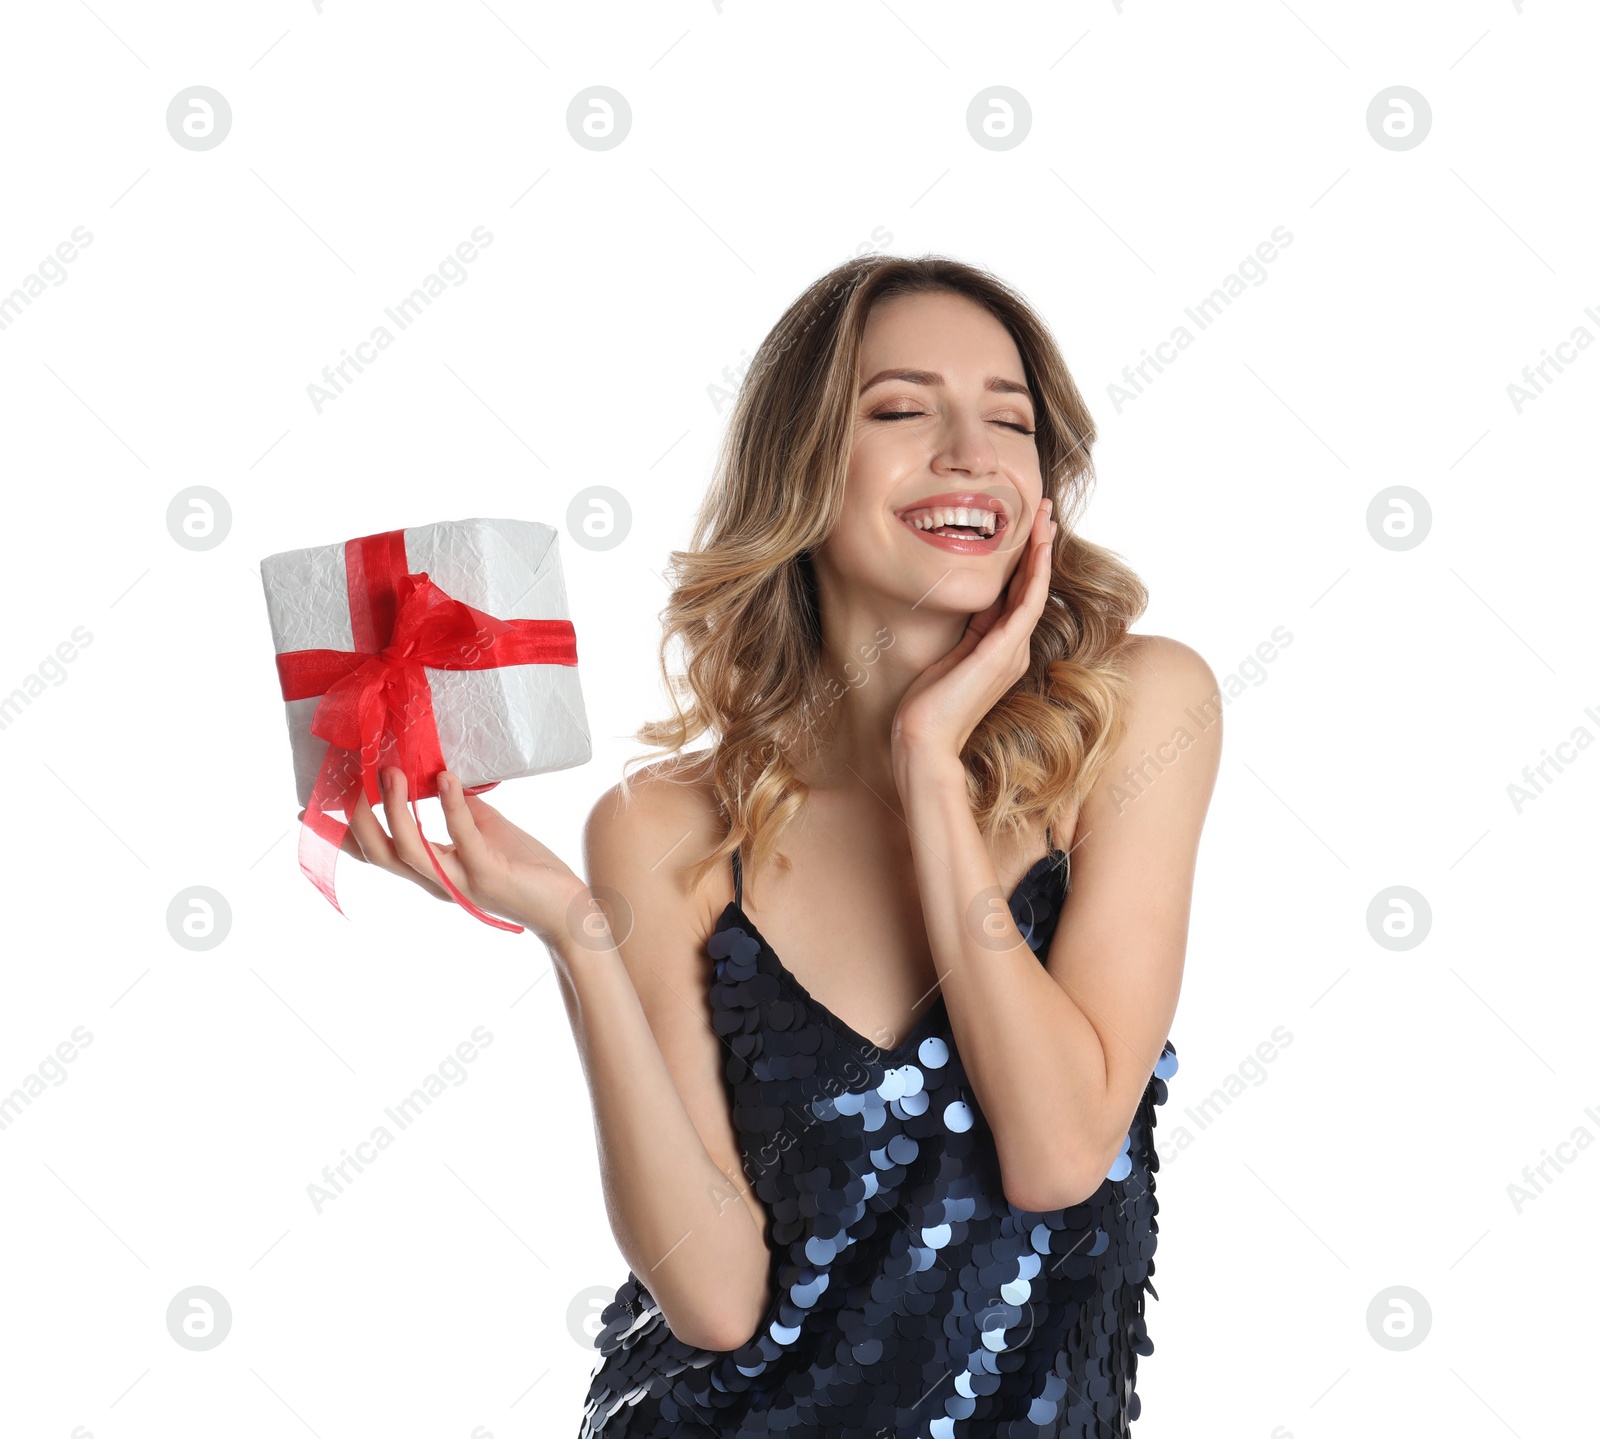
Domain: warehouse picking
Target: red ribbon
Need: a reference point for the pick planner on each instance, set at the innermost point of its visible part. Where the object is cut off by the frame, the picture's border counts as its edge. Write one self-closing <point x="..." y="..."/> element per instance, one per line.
<point x="376" y="707"/>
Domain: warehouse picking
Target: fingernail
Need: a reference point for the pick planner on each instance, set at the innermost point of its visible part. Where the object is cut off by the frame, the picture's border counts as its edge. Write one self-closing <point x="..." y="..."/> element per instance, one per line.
<point x="383" y="780"/>
<point x="444" y="784"/>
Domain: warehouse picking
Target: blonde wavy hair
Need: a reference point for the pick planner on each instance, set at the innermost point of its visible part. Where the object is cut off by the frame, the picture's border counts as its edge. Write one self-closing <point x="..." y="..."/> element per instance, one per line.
<point x="743" y="599"/>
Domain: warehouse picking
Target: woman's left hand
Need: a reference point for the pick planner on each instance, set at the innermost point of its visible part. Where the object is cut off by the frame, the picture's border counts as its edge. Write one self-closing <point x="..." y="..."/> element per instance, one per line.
<point x="947" y="700"/>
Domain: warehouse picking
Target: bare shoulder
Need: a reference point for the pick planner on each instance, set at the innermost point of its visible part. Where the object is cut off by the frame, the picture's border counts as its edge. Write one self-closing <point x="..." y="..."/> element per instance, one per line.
<point x="1162" y="666"/>
<point x="1144" y="815"/>
<point x="641" y="836"/>
<point x="641" y="842"/>
<point x="1175" y="702"/>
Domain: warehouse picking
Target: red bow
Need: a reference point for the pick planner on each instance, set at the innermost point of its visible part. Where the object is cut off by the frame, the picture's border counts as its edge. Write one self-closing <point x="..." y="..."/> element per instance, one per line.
<point x="377" y="709"/>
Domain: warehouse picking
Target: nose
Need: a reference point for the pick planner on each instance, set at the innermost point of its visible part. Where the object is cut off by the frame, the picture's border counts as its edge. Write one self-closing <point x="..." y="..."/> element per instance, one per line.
<point x="962" y="444"/>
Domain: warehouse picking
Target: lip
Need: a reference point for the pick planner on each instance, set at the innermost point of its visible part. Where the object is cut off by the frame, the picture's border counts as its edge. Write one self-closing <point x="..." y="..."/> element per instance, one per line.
<point x="969" y="500"/>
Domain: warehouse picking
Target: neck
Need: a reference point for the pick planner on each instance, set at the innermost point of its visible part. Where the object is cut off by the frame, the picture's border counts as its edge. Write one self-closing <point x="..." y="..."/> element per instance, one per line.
<point x="865" y="671"/>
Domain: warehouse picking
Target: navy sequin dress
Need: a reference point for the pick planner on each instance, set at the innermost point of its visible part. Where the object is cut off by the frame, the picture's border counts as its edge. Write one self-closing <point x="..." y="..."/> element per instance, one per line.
<point x="911" y="1298"/>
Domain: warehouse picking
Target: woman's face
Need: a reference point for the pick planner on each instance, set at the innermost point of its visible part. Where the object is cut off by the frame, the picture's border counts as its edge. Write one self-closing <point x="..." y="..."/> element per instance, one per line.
<point x="942" y="409"/>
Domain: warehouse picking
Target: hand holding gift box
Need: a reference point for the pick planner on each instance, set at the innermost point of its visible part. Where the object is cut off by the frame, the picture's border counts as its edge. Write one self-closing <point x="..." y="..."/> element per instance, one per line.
<point x="443" y="646"/>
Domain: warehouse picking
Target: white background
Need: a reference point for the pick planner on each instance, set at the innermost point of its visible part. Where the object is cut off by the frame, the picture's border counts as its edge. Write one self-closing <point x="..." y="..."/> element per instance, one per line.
<point x="446" y="1292"/>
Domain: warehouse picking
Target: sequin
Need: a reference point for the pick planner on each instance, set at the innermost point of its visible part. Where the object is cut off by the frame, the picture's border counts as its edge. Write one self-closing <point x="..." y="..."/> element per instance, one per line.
<point x="911" y="1298"/>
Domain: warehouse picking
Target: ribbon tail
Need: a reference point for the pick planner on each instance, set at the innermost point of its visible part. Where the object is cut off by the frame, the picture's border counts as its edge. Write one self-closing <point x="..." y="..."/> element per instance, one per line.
<point x="321" y="835"/>
<point x="455" y="893"/>
<point x="319" y="853"/>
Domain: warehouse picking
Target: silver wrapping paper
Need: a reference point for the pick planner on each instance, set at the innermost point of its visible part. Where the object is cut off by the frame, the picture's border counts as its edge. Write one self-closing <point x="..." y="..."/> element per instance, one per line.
<point x="494" y="724"/>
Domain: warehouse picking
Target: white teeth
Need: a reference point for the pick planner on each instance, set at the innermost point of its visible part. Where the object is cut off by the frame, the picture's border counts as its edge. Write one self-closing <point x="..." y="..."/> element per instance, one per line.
<point x="946" y="515"/>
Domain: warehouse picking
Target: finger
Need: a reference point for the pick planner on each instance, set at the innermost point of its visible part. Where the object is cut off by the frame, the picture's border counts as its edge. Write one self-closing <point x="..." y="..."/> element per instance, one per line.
<point x="1041" y="537"/>
<point x="1028" y="588"/>
<point x="1019" y="539"/>
<point x="1045" y="530"/>
<point x="1046" y="557"/>
<point x="1022" y="600"/>
<point x="373" y="838"/>
<point x="470" y="846"/>
<point x="1022" y="571"/>
<point x="408" y="838"/>
<point x="1036" y="587"/>
<point x="380" y="847"/>
<point x="1019" y="591"/>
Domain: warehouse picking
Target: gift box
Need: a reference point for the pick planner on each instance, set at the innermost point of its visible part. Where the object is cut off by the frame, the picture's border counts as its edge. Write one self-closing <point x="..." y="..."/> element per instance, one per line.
<point x="442" y="646"/>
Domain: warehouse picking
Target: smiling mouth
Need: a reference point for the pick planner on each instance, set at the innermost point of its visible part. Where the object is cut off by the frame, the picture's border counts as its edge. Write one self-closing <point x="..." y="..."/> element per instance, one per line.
<point x="963" y="528"/>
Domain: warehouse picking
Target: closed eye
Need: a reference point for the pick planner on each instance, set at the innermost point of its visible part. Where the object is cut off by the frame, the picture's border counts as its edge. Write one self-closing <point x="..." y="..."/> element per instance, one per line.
<point x="912" y="414"/>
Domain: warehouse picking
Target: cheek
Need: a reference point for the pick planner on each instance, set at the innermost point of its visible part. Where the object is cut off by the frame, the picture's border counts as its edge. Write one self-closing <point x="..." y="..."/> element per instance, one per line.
<point x="869" y="461"/>
<point x="871" y="483"/>
<point x="886" y="449"/>
<point x="1030" y="490"/>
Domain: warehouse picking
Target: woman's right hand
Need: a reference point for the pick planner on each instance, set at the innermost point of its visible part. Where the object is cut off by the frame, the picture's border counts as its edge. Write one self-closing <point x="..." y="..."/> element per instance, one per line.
<point x="499" y="867"/>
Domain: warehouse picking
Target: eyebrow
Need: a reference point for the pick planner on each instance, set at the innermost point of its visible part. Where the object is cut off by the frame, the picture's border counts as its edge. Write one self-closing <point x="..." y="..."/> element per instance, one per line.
<point x="998" y="383"/>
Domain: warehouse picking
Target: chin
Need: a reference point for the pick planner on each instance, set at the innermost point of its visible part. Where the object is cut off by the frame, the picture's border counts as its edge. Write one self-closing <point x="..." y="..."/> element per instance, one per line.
<point x="955" y="594"/>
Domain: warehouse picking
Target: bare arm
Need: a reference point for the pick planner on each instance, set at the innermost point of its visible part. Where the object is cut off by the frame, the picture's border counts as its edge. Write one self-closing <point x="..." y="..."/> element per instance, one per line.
<point x="637" y="992"/>
<point x="638" y="1000"/>
<point x="1060" y="1054"/>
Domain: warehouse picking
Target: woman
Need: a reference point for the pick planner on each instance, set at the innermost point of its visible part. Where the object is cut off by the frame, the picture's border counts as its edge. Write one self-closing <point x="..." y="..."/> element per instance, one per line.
<point x="878" y="1149"/>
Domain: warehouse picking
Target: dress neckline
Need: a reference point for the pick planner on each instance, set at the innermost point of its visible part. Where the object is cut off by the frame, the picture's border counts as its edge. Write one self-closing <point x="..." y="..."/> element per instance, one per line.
<point x="923" y="1026"/>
